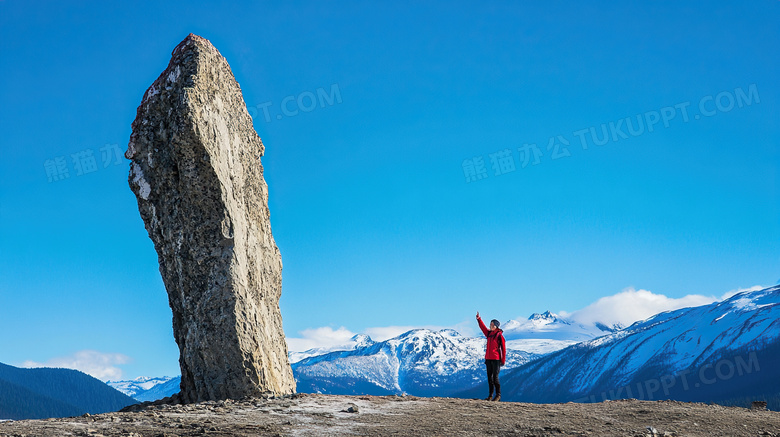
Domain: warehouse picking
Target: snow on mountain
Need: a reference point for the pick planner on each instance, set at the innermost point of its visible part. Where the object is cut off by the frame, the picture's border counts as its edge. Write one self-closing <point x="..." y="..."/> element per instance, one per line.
<point x="420" y="362"/>
<point x="161" y="390"/>
<point x="539" y="346"/>
<point x="430" y="363"/>
<point x="548" y="332"/>
<point x="551" y="326"/>
<point x="742" y="333"/>
<point x="146" y="388"/>
<point x="358" y="340"/>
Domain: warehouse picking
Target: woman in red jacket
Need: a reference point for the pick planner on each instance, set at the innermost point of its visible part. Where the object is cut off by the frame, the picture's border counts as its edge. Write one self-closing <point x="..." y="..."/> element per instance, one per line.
<point x="495" y="355"/>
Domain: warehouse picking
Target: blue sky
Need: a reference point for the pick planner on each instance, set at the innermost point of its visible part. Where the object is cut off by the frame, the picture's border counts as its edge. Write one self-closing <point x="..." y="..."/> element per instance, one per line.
<point x="370" y="203"/>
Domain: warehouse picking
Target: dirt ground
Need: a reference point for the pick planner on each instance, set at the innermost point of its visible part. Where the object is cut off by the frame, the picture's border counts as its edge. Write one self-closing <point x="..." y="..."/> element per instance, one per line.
<point x="328" y="415"/>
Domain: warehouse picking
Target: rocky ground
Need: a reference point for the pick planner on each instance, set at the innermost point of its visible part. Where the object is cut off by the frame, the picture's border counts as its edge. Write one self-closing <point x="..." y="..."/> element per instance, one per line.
<point x="327" y="415"/>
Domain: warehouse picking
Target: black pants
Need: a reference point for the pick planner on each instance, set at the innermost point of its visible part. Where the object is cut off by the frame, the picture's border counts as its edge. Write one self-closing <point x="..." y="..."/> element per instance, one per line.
<point x="493" y="366"/>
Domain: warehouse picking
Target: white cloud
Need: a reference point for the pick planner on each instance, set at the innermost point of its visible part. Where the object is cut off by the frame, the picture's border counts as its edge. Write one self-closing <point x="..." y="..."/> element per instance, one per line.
<point x="324" y="337"/>
<point x="468" y="327"/>
<point x="98" y="364"/>
<point x="632" y="305"/>
<point x="728" y="294"/>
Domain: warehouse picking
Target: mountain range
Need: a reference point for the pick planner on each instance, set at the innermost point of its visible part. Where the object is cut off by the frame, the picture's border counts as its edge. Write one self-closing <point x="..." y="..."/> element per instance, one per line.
<point x="425" y="362"/>
<point x="352" y="367"/>
<point x="726" y="351"/>
<point x="420" y="362"/>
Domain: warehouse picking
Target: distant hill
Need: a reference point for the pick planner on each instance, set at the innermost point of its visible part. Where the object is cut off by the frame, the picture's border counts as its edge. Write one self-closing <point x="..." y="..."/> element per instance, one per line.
<point x="45" y="392"/>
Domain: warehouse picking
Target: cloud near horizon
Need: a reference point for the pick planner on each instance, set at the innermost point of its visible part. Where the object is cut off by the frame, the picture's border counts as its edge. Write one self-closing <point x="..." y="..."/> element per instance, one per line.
<point x="325" y="337"/>
<point x="102" y="366"/>
<point x="631" y="305"/>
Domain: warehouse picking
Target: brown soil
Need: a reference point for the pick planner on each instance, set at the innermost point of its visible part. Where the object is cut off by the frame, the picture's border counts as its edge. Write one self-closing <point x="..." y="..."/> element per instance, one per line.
<point x="327" y="415"/>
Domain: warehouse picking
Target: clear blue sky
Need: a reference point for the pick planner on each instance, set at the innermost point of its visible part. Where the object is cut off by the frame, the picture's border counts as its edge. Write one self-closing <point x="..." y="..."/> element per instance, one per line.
<point x="370" y="206"/>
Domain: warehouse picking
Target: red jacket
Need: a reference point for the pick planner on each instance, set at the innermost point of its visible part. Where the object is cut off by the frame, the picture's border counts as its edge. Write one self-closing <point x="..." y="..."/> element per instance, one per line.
<point x="496" y="345"/>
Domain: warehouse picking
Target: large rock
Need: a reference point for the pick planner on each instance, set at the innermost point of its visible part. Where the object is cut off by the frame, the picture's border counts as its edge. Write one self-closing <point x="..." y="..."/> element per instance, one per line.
<point x="197" y="176"/>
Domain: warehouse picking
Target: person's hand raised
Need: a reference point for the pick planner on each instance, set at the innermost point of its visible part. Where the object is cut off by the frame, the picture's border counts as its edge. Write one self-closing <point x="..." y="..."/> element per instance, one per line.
<point x="477" y="314"/>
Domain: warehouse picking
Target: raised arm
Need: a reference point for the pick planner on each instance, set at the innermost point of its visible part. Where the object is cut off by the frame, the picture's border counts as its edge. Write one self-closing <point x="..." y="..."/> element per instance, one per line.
<point x="482" y="325"/>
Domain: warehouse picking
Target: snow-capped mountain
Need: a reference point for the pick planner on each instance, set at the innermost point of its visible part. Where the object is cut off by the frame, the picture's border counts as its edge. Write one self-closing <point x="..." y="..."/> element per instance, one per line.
<point x="539" y="334"/>
<point x="358" y="340"/>
<point x="420" y="362"/>
<point x="723" y="350"/>
<point x="551" y="326"/>
<point x="430" y="363"/>
<point x="549" y="332"/>
<point x="147" y="388"/>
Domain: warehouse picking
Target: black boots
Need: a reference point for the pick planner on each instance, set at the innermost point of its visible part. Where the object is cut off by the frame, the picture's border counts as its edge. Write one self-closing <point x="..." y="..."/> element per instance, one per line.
<point x="495" y="398"/>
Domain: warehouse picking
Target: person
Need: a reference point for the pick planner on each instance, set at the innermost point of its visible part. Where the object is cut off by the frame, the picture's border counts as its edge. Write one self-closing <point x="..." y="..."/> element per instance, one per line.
<point x="495" y="355"/>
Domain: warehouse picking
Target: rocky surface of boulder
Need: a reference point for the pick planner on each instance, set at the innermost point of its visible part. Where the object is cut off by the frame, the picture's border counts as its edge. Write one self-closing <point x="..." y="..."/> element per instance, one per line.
<point x="197" y="176"/>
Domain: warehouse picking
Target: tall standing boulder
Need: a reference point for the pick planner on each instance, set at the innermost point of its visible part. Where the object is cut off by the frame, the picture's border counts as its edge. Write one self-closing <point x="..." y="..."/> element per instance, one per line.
<point x="197" y="176"/>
